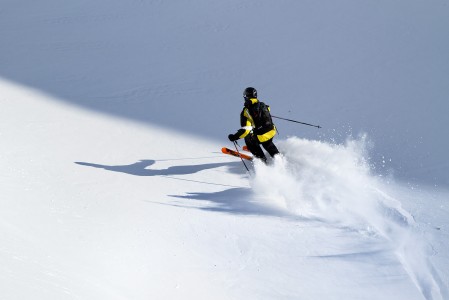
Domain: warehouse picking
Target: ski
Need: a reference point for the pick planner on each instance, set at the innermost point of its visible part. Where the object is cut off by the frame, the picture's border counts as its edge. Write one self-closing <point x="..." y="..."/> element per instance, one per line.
<point x="235" y="153"/>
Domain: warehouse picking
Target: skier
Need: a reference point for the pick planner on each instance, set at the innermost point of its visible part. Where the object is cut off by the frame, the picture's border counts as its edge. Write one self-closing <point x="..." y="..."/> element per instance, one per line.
<point x="257" y="126"/>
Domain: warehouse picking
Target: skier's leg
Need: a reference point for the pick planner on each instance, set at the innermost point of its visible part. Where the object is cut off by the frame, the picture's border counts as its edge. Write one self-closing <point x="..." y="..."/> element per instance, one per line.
<point x="254" y="146"/>
<point x="270" y="147"/>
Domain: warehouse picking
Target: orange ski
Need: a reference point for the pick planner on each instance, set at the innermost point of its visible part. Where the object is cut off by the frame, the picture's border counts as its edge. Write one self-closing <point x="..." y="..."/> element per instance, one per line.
<point x="235" y="153"/>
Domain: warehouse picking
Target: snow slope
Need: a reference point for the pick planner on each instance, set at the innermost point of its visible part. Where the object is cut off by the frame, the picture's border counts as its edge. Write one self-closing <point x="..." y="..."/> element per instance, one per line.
<point x="94" y="207"/>
<point x="112" y="115"/>
<point x="353" y="67"/>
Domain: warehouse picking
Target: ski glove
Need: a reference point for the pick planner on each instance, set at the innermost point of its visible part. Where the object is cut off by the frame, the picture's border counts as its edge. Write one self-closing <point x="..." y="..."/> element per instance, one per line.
<point x="233" y="137"/>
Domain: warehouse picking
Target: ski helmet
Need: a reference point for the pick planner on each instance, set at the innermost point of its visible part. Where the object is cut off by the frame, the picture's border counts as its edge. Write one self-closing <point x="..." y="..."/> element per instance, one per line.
<point x="250" y="92"/>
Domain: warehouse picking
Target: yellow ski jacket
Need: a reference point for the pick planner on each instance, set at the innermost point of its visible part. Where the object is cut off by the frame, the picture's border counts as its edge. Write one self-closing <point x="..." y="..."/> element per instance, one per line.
<point x="262" y="131"/>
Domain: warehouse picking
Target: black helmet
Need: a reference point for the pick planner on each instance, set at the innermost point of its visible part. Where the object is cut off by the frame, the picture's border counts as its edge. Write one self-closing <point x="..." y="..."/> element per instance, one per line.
<point x="250" y="92"/>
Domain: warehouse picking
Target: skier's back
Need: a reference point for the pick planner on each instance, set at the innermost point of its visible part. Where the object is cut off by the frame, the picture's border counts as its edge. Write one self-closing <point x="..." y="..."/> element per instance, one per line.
<point x="257" y="126"/>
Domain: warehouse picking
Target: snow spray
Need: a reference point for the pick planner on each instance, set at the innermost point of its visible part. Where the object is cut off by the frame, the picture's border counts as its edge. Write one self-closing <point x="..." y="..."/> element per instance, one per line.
<point x="335" y="185"/>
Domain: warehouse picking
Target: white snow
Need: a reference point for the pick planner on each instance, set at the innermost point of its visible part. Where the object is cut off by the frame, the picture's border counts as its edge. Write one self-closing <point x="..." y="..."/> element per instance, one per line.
<point x="113" y="186"/>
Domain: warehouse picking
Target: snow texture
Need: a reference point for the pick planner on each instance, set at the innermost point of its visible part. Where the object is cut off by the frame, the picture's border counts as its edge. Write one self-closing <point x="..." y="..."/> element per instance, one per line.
<point x="113" y="186"/>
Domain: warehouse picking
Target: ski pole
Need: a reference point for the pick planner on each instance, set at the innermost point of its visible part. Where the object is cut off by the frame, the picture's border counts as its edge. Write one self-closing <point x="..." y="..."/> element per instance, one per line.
<point x="236" y="149"/>
<point x="317" y="126"/>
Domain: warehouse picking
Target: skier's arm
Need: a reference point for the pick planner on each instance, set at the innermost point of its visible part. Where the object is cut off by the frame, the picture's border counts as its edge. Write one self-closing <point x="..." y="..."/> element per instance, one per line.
<point x="244" y="130"/>
<point x="246" y="123"/>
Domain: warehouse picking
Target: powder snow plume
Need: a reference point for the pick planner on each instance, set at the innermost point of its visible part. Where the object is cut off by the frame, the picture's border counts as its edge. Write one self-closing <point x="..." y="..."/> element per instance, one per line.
<point x="335" y="185"/>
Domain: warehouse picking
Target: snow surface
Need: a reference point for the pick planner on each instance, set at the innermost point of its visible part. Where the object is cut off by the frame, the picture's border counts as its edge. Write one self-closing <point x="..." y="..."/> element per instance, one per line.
<point x="376" y="67"/>
<point x="109" y="190"/>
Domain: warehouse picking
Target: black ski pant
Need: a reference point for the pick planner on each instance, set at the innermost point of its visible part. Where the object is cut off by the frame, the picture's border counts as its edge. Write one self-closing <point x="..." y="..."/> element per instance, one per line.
<point x="254" y="147"/>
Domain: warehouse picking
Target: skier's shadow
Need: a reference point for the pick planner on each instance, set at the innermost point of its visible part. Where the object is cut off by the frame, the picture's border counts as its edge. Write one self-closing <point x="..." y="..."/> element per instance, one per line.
<point x="140" y="168"/>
